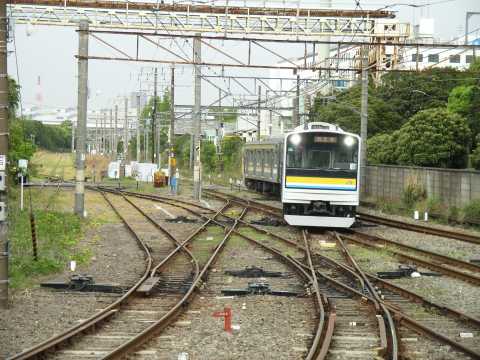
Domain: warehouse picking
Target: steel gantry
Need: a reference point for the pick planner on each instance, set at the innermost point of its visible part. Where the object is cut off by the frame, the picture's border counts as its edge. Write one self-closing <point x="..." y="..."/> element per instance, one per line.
<point x="189" y="18"/>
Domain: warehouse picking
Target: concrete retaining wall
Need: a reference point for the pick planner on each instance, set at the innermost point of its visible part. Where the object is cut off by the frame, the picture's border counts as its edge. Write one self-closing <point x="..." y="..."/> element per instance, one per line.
<point x="451" y="186"/>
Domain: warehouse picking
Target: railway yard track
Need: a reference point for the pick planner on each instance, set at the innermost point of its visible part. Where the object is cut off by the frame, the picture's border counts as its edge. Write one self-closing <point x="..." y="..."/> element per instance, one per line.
<point x="340" y="310"/>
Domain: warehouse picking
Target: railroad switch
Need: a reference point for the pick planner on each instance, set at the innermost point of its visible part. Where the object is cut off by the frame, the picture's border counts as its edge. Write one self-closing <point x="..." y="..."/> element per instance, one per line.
<point x="260" y="288"/>
<point x="84" y="283"/>
<point x="254" y="272"/>
<point x="404" y="271"/>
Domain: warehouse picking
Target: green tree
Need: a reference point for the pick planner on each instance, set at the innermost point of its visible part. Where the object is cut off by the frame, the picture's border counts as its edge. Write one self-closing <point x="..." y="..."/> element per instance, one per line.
<point x="465" y="101"/>
<point x="182" y="150"/>
<point x="345" y="112"/>
<point x="232" y="154"/>
<point x="434" y="137"/>
<point x="19" y="147"/>
<point x="381" y="149"/>
<point x="208" y="157"/>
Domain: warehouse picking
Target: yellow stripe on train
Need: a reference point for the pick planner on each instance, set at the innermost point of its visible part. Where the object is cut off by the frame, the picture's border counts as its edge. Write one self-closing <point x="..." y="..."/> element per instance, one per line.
<point x="320" y="180"/>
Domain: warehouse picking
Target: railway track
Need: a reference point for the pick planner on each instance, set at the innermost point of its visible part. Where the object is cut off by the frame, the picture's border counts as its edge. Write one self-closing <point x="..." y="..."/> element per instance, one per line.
<point x="424" y="229"/>
<point x="130" y="322"/>
<point x="439" y="322"/>
<point x="341" y="285"/>
<point x="446" y="265"/>
<point x="110" y="327"/>
<point x="470" y="238"/>
<point x="322" y="306"/>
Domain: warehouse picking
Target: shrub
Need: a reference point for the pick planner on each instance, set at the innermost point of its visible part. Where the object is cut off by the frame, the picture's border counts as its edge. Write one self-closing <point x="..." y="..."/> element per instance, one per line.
<point x="413" y="193"/>
<point x="472" y="211"/>
<point x="434" y="137"/>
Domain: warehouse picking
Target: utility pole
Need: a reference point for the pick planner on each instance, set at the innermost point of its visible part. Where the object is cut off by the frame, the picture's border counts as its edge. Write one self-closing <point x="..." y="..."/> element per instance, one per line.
<point x="125" y="132"/>
<point x="138" y="128"/>
<point x="145" y="134"/>
<point x="154" y="117"/>
<point x="104" y="132"/>
<point x="96" y="142"/>
<point x="364" y="121"/>
<point x="259" y="112"/>
<point x="115" y="141"/>
<point x="171" y="137"/>
<point x="81" y="118"/>
<point x="296" y="103"/>
<point x="197" y="118"/>
<point x="111" y="133"/>
<point x="3" y="155"/>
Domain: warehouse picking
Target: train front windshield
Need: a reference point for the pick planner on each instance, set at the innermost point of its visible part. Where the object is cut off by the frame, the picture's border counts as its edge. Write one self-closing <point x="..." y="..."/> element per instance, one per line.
<point x="322" y="151"/>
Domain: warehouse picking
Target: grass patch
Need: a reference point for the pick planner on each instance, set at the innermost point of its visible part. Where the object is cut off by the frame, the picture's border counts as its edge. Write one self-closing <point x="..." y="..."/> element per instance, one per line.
<point x="58" y="235"/>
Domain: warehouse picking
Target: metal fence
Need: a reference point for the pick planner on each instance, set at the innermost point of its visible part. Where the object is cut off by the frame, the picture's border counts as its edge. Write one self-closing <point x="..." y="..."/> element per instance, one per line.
<point x="451" y="186"/>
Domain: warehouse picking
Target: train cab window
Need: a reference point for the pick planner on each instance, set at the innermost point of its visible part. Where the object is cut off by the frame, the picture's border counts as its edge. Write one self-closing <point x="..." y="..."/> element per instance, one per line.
<point x="326" y="151"/>
<point x="318" y="159"/>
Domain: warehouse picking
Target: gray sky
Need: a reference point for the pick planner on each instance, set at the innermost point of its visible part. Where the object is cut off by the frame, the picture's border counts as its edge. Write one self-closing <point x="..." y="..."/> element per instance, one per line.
<point x="49" y="52"/>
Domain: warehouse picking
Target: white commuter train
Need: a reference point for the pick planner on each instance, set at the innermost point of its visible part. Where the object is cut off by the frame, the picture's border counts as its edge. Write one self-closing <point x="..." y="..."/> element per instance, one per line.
<point x="315" y="168"/>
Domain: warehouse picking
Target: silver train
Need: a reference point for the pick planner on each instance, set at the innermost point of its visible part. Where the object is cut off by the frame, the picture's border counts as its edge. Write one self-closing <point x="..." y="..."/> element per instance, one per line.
<point x="314" y="168"/>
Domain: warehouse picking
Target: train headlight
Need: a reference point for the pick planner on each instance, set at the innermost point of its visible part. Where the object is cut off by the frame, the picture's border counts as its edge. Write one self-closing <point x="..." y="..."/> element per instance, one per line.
<point x="349" y="141"/>
<point x="295" y="139"/>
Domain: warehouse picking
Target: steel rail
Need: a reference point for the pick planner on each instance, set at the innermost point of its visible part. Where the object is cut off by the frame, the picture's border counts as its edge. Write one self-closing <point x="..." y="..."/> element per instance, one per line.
<point x="39" y="350"/>
<point x="179" y="307"/>
<point x="271" y="210"/>
<point x="402" y="318"/>
<point x="385" y="284"/>
<point x="392" y="345"/>
<point x="169" y="235"/>
<point x="469" y="278"/>
<point x="438" y="257"/>
<point x="411" y="323"/>
<point x="470" y="238"/>
<point x="315" y="348"/>
<point x="275" y="211"/>
<point x="290" y="242"/>
<point x="328" y="331"/>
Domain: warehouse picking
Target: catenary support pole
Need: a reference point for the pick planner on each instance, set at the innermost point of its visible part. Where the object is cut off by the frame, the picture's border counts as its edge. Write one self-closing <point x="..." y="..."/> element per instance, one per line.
<point x="171" y="137"/>
<point x="197" y="118"/>
<point x="137" y="157"/>
<point x="81" y="119"/>
<point x="296" y="104"/>
<point x="125" y="132"/>
<point x="154" y="117"/>
<point x="259" y="112"/>
<point x="104" y="132"/>
<point x="364" y="121"/>
<point x="97" y="148"/>
<point x="146" y="130"/>
<point x="111" y="133"/>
